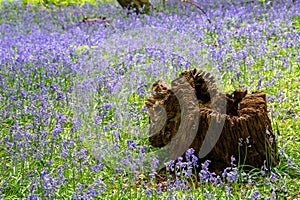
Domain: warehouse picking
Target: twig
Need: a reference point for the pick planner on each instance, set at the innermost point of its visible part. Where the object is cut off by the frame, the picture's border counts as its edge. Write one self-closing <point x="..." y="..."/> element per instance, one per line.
<point x="97" y="19"/>
<point x="197" y="6"/>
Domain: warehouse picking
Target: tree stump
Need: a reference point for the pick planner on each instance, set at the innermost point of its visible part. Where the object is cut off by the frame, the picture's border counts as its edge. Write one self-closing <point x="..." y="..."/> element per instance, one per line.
<point x="181" y="116"/>
<point x="136" y="5"/>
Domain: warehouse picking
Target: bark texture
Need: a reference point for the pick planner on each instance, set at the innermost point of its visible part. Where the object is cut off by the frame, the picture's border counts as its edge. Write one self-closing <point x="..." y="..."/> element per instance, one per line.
<point x="193" y="101"/>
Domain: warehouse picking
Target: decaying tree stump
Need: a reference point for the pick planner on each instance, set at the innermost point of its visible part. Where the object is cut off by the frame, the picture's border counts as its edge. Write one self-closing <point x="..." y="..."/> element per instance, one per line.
<point x="180" y="117"/>
<point x="136" y="4"/>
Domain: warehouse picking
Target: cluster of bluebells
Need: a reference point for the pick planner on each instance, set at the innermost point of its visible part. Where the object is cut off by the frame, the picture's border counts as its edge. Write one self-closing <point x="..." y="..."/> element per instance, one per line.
<point x="72" y="120"/>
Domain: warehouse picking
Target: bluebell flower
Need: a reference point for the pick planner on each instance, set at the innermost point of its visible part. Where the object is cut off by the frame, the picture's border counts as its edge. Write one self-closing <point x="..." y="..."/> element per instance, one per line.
<point x="255" y="195"/>
<point x="149" y="192"/>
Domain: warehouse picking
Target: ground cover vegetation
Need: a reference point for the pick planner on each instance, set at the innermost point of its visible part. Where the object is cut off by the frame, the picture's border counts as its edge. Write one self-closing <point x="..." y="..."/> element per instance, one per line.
<point x="73" y="121"/>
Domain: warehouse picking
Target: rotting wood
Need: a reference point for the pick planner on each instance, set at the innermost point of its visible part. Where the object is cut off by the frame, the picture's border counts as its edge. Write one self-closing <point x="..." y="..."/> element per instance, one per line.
<point x="246" y="119"/>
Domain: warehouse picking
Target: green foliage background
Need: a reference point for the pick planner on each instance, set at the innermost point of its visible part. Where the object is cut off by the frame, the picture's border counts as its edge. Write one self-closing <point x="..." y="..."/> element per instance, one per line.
<point x="57" y="2"/>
